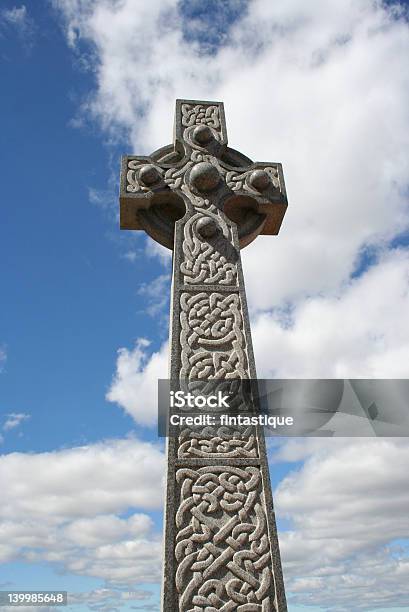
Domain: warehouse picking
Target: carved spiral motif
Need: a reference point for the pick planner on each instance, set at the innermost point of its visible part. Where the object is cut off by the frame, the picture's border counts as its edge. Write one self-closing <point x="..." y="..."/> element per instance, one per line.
<point x="204" y="262"/>
<point x="201" y="136"/>
<point x="238" y="181"/>
<point x="222" y="544"/>
<point x="141" y="176"/>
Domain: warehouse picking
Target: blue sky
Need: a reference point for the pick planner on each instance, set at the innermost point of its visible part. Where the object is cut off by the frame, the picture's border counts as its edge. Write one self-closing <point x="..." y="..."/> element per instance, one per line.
<point x="84" y="82"/>
<point x="70" y="298"/>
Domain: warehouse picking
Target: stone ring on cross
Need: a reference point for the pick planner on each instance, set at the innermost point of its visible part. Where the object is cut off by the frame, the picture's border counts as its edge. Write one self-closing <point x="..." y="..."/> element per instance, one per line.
<point x="200" y="170"/>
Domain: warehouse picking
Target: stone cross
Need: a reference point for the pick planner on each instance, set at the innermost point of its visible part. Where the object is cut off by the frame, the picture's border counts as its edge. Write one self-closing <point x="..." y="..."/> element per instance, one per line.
<point x="205" y="201"/>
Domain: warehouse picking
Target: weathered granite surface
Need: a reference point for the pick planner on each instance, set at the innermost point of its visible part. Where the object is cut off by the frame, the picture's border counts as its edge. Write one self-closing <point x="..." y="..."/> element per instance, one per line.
<point x="205" y="200"/>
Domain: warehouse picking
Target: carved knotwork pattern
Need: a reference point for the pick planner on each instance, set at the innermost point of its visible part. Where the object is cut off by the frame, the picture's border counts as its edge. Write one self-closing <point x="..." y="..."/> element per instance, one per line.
<point x="212" y="336"/>
<point x="200" y="114"/>
<point x="222" y="544"/>
<point x="213" y="442"/>
<point x="233" y="441"/>
<point x="174" y="177"/>
<point x="208" y="262"/>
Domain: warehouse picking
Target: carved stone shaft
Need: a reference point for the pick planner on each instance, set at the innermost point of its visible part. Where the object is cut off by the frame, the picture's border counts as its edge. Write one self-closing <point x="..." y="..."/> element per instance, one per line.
<point x="205" y="201"/>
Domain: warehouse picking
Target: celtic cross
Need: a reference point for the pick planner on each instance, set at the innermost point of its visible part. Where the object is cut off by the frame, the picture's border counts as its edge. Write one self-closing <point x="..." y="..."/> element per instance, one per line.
<point x="205" y="201"/>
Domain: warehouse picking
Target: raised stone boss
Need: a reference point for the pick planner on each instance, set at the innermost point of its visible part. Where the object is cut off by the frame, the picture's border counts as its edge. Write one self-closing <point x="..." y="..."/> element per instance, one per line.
<point x="205" y="201"/>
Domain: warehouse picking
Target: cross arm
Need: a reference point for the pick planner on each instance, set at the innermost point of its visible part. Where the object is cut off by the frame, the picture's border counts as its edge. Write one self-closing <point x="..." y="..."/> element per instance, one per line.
<point x="140" y="180"/>
<point x="146" y="200"/>
<point x="258" y="186"/>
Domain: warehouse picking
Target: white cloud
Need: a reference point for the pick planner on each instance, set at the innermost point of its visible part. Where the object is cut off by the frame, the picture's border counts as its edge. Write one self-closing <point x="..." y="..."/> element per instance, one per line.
<point x="106" y="529"/>
<point x="334" y="110"/>
<point x="14" y="419"/>
<point x="134" y="386"/>
<point x="341" y="131"/>
<point x="348" y="511"/>
<point x="102" y="599"/>
<point x="82" y="481"/>
<point x="65" y="507"/>
<point x="360" y="331"/>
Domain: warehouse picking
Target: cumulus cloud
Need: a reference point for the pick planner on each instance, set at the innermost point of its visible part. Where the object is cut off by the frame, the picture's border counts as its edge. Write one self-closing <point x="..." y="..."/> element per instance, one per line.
<point x="84" y="480"/>
<point x="135" y="383"/>
<point x="67" y="507"/>
<point x="359" y="331"/>
<point x="335" y="92"/>
<point x="337" y="121"/>
<point x="348" y="514"/>
<point x="14" y="419"/>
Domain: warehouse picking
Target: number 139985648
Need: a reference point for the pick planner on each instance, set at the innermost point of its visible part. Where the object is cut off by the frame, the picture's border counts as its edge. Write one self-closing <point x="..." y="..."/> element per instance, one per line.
<point x="33" y="598"/>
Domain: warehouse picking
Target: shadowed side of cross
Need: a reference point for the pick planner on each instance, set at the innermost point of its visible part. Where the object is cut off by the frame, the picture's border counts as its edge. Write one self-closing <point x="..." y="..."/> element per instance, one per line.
<point x="199" y="167"/>
<point x="205" y="200"/>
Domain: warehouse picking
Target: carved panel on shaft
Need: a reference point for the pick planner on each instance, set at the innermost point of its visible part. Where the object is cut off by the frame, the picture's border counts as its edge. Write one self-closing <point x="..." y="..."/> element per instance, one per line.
<point x="210" y="442"/>
<point x="210" y="262"/>
<point x="212" y="336"/>
<point x="222" y="542"/>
